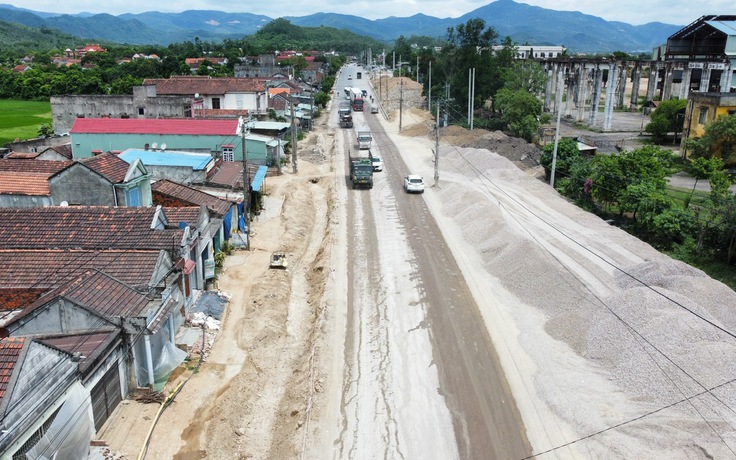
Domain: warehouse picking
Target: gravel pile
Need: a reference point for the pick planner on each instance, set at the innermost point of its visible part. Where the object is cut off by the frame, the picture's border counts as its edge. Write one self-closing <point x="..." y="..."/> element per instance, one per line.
<point x="616" y="350"/>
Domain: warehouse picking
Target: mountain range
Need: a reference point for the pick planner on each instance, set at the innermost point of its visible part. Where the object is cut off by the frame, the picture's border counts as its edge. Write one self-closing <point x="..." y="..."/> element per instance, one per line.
<point x="525" y="24"/>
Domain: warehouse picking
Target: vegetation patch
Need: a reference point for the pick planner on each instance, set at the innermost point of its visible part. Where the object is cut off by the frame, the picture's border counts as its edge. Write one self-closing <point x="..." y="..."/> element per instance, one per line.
<point x="22" y="119"/>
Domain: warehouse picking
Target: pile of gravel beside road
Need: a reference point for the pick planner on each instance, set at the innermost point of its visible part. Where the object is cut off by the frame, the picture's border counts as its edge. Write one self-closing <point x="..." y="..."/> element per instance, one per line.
<point x="633" y="353"/>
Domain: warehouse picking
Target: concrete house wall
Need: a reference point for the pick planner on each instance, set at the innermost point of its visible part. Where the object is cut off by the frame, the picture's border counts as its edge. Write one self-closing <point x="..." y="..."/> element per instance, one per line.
<point x="84" y="144"/>
<point x="77" y="185"/>
<point x="143" y="103"/>
<point x="24" y="201"/>
<point x="60" y="317"/>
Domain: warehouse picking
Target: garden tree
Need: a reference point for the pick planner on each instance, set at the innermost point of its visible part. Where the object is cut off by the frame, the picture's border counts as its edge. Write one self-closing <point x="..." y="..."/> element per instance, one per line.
<point x="125" y="84"/>
<point x="45" y="130"/>
<point x="520" y="112"/>
<point x="402" y="50"/>
<point x="719" y="140"/>
<point x="644" y="201"/>
<point x="672" y="227"/>
<point x="612" y="174"/>
<point x="576" y="184"/>
<point x="469" y="47"/>
<point x="297" y="63"/>
<point x="321" y="99"/>
<point x="567" y="154"/>
<point x="526" y="75"/>
<point x="703" y="168"/>
<point x="664" y="119"/>
<point x="716" y="217"/>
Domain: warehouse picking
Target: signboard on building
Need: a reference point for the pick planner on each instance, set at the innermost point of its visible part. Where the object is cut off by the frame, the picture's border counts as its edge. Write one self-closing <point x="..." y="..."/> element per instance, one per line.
<point x="209" y="269"/>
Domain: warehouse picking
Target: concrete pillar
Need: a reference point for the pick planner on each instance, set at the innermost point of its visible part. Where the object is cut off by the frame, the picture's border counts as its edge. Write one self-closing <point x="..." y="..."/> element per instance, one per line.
<point x="571" y="92"/>
<point x="636" y="82"/>
<point x="582" y="91"/>
<point x="667" y="88"/>
<point x="610" y="96"/>
<point x="704" y="79"/>
<point x="548" y="90"/>
<point x="621" y="86"/>
<point x="726" y="78"/>
<point x="149" y="359"/>
<point x="172" y="331"/>
<point x="595" y="96"/>
<point x="685" y="85"/>
<point x="652" y="84"/>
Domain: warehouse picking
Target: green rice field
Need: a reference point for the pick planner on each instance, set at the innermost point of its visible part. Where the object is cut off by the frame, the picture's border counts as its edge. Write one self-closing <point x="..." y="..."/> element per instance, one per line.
<point x="21" y="119"/>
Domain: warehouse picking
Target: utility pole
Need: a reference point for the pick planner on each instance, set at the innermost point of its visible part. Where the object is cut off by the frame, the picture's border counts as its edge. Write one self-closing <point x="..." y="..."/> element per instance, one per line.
<point x="401" y="99"/>
<point x="557" y="130"/>
<point x="246" y="185"/>
<point x="293" y="138"/>
<point x="472" y="102"/>
<point x="437" y="148"/>
<point x="429" y="85"/>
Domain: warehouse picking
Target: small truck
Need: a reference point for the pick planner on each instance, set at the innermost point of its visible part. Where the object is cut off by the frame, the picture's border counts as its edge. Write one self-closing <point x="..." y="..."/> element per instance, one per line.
<point x="364" y="139"/>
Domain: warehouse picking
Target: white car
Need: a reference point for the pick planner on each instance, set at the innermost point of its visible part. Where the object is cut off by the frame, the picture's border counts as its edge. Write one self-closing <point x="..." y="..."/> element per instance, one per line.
<point x="413" y="184"/>
<point x="377" y="163"/>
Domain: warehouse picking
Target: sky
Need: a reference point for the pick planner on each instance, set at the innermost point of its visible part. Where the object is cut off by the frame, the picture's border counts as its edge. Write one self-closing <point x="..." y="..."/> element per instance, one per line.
<point x="635" y="12"/>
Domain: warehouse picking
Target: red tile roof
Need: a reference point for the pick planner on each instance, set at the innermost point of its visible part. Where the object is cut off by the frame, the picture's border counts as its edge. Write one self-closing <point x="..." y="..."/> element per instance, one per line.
<point x="26" y="165"/>
<point x="10" y="351"/>
<point x="26" y="176"/>
<point x="109" y="166"/>
<point x="226" y="174"/>
<point x="87" y="345"/>
<point x="164" y="189"/>
<point x="23" y="155"/>
<point x="18" y="183"/>
<point x="190" y="85"/>
<point x="187" y="214"/>
<point x="177" y="126"/>
<point x="96" y="291"/>
<point x="84" y="227"/>
<point x="28" y="274"/>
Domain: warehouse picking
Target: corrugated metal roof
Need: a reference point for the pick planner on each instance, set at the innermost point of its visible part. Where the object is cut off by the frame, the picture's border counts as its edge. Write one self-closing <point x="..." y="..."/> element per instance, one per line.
<point x="727" y="27"/>
<point x="197" y="161"/>
<point x="179" y="126"/>
<point x="258" y="178"/>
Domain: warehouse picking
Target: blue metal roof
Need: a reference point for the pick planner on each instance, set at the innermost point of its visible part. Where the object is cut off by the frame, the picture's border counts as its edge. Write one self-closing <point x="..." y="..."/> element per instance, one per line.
<point x="258" y="178"/>
<point x="197" y="161"/>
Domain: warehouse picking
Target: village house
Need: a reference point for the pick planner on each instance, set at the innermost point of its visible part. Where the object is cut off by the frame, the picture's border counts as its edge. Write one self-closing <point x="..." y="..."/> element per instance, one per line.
<point x="105" y="180"/>
<point x="218" y="138"/>
<point x="98" y="293"/>
<point x="216" y="96"/>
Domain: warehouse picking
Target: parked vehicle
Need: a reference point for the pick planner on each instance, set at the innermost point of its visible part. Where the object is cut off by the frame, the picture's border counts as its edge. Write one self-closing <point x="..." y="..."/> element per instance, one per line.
<point x="413" y="184"/>
<point x="364" y="139"/>
<point x="361" y="171"/>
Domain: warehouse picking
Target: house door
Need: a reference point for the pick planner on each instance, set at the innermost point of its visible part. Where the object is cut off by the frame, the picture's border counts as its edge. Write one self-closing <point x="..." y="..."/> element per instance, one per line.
<point x="106" y="396"/>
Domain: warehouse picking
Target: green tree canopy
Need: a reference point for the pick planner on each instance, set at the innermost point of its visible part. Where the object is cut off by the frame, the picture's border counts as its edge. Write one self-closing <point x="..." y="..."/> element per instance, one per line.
<point x="665" y="119"/>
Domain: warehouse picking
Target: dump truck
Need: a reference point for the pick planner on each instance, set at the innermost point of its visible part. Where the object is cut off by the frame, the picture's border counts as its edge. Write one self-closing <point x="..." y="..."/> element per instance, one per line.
<point x="361" y="169"/>
<point x="345" y="115"/>
<point x="364" y="139"/>
<point x="346" y="120"/>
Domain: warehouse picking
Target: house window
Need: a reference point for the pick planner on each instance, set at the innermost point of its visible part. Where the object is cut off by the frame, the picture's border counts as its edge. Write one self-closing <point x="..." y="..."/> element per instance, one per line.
<point x="215" y="103"/>
<point x="141" y="110"/>
<point x="703" y="115"/>
<point x="133" y="198"/>
<point x="227" y="154"/>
